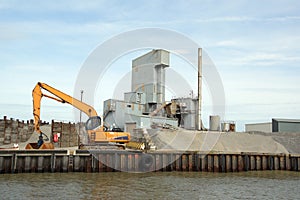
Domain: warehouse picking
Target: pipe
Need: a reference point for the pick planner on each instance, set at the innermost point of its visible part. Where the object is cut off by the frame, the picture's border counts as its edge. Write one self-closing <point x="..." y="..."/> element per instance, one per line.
<point x="199" y="121"/>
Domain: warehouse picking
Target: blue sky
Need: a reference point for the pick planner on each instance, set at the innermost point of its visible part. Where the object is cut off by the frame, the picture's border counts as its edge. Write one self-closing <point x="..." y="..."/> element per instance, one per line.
<point x="254" y="45"/>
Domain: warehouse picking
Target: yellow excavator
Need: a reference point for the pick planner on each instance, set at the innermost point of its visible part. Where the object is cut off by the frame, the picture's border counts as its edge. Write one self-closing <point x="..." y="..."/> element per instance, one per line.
<point x="98" y="135"/>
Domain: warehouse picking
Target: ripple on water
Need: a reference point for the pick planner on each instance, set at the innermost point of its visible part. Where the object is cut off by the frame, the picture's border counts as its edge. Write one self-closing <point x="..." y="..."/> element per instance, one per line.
<point x="166" y="185"/>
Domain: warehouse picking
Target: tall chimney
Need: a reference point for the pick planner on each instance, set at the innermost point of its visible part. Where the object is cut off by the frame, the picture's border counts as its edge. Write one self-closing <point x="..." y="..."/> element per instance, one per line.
<point x="199" y="121"/>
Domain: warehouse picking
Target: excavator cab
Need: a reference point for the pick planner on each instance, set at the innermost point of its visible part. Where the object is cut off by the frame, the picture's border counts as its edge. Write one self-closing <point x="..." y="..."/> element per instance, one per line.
<point x="93" y="123"/>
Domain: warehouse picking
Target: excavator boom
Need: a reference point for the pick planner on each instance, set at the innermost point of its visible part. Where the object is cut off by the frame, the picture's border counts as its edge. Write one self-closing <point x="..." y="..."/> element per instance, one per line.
<point x="62" y="97"/>
<point x="96" y="132"/>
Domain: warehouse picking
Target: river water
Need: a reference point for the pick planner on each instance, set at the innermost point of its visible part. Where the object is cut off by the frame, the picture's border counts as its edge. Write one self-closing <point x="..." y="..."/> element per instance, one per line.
<point x="161" y="185"/>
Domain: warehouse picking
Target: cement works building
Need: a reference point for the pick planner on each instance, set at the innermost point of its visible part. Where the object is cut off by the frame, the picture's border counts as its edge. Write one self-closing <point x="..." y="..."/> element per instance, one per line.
<point x="145" y="105"/>
<point x="277" y="125"/>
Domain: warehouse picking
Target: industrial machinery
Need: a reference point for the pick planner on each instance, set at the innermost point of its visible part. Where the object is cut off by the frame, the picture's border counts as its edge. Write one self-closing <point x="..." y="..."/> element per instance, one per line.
<point x="98" y="135"/>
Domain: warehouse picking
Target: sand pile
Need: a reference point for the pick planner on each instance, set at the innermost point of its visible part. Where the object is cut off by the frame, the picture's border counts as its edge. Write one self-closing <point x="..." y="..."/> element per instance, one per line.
<point x="290" y="141"/>
<point x="184" y="140"/>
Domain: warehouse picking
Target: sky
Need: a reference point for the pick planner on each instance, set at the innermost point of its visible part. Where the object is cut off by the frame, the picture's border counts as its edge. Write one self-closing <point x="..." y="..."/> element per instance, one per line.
<point x="253" y="44"/>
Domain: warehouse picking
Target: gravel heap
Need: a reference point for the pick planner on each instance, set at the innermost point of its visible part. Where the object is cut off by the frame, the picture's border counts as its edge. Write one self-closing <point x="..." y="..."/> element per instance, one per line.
<point x="229" y="142"/>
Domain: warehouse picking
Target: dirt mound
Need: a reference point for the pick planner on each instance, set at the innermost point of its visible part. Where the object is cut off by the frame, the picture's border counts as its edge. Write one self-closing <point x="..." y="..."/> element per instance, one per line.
<point x="184" y="140"/>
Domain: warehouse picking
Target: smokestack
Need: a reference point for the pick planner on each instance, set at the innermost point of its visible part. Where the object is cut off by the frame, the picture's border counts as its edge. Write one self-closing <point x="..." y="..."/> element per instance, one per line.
<point x="199" y="121"/>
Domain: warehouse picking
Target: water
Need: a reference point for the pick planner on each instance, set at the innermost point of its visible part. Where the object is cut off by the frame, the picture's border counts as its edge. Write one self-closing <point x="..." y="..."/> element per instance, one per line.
<point x="167" y="185"/>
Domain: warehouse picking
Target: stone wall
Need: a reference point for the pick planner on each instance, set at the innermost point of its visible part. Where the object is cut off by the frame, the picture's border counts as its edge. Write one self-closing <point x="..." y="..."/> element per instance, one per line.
<point x="15" y="131"/>
<point x="68" y="133"/>
<point x="18" y="131"/>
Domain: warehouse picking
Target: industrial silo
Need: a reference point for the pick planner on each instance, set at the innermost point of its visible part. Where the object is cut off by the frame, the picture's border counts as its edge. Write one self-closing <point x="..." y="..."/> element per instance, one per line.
<point x="214" y="123"/>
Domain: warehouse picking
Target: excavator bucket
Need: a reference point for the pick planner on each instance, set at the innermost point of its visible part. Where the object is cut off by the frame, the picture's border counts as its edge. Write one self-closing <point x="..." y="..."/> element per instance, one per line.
<point x="35" y="146"/>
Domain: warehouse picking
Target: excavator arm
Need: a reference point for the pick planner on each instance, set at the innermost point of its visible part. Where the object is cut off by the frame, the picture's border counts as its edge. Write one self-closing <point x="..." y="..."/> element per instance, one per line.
<point x="61" y="97"/>
<point x="96" y="133"/>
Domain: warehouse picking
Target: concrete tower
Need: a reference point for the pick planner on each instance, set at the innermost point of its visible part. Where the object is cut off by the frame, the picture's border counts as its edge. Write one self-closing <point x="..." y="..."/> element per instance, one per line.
<point x="148" y="77"/>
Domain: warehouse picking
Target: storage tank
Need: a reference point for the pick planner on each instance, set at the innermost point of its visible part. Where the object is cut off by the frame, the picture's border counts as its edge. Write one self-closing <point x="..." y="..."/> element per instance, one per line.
<point x="214" y="123"/>
<point x="225" y="126"/>
<point x="232" y="127"/>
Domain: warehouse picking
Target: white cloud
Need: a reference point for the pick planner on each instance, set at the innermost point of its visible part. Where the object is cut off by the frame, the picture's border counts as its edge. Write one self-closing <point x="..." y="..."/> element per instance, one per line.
<point x="42" y="6"/>
<point x="228" y="43"/>
<point x="262" y="58"/>
<point x="255" y="51"/>
<point x="237" y="19"/>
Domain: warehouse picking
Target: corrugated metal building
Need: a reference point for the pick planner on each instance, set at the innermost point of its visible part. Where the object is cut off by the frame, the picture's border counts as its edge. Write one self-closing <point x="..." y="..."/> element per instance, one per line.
<point x="285" y="125"/>
<point x="145" y="105"/>
<point x="277" y="125"/>
<point x="148" y="77"/>
<point x="261" y="127"/>
<point x="146" y="95"/>
<point x="129" y="115"/>
<point x="187" y="110"/>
